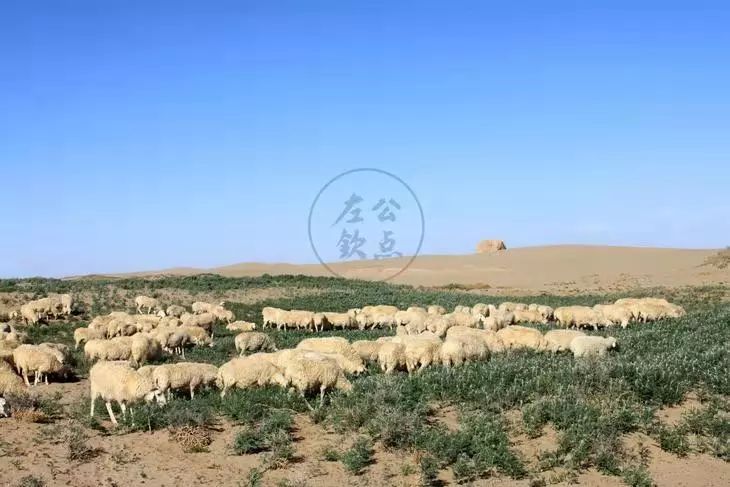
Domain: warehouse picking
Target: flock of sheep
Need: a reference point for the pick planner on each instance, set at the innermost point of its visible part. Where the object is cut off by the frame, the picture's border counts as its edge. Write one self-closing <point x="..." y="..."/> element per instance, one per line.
<point x="120" y="342"/>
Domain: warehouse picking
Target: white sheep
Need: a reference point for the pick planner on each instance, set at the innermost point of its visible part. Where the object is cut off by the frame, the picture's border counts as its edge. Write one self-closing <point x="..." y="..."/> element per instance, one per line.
<point x="254" y="341"/>
<point x="335" y="345"/>
<point x="223" y="314"/>
<point x="83" y="335"/>
<point x="391" y="356"/>
<point x="35" y="359"/>
<point x="436" y="309"/>
<point x="10" y="382"/>
<point x="118" y="382"/>
<point x="367" y="349"/>
<point x="188" y="375"/>
<point x="142" y="302"/>
<point x="420" y="351"/>
<point x="4" y="407"/>
<point x="241" y="326"/>
<point x="587" y="346"/>
<point x="521" y="336"/>
<point x="489" y="338"/>
<point x="529" y="316"/>
<point x="614" y="314"/>
<point x="579" y="316"/>
<point x="175" y="310"/>
<point x="314" y="371"/>
<point x="203" y="320"/>
<point x="559" y="340"/>
<point x="245" y="372"/>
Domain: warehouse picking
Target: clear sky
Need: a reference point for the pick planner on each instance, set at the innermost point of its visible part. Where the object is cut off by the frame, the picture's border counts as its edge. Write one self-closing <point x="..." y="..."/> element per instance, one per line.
<point x="150" y="134"/>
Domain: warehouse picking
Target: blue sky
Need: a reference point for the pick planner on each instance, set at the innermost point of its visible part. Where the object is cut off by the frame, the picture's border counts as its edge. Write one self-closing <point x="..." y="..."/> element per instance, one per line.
<point x="141" y="135"/>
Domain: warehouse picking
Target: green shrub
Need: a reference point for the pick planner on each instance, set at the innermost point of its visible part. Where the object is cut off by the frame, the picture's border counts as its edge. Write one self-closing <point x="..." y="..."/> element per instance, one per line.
<point x="359" y="456"/>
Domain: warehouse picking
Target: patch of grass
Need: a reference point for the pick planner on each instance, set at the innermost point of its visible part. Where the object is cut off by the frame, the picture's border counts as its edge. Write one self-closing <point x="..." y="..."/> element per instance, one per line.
<point x="359" y="456"/>
<point x="192" y="439"/>
<point x="720" y="260"/>
<point x="31" y="481"/>
<point x="673" y="440"/>
<point x="637" y="476"/>
<point x="272" y="434"/>
<point x="77" y="447"/>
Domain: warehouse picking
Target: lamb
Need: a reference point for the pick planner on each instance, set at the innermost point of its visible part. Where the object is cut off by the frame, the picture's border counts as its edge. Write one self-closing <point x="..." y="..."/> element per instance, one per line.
<point x="180" y="375"/>
<point x="367" y="350"/>
<point x="241" y="326"/>
<point x="253" y="341"/>
<point x="200" y="307"/>
<point x="175" y="310"/>
<point x="592" y="346"/>
<point x="545" y="311"/>
<point x="559" y="340"/>
<point x="10" y="382"/>
<point x="311" y="371"/>
<point x="146" y="302"/>
<point x="391" y="356"/>
<point x="83" y="335"/>
<point x="36" y="360"/>
<point x="244" y="372"/>
<point x="521" y="336"/>
<point x="118" y="382"/>
<point x="335" y="345"/>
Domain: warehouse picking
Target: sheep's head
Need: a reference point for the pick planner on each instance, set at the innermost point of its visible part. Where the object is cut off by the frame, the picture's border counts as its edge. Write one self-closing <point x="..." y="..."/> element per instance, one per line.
<point x="279" y="379"/>
<point x="161" y="313"/>
<point x="157" y="396"/>
<point x="612" y="342"/>
<point x="4" y="408"/>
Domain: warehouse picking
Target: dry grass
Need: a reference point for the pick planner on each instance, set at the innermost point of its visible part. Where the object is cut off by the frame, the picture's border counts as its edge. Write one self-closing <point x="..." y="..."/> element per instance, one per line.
<point x="191" y="438"/>
<point x="720" y="260"/>
<point x="30" y="415"/>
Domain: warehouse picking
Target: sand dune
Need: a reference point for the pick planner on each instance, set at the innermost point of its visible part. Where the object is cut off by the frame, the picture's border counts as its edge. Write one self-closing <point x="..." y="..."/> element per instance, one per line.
<point x="559" y="268"/>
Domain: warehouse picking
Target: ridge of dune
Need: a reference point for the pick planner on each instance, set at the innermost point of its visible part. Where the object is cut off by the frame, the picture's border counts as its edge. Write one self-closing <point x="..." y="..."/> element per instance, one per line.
<point x="535" y="269"/>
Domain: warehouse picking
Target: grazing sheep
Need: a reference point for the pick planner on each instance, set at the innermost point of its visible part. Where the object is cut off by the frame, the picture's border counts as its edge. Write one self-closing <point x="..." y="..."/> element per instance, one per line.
<point x="578" y="316"/>
<point x="175" y="310"/>
<point x="137" y="349"/>
<point x="391" y="356"/>
<point x="591" y="346"/>
<point x="420" y="351"/>
<point x="253" y="341"/>
<point x="197" y="335"/>
<point x="270" y="317"/>
<point x="453" y="352"/>
<point x="35" y="359"/>
<point x="83" y="335"/>
<point x="335" y="345"/>
<point x="314" y="371"/>
<point x="529" y="316"/>
<point x="146" y="302"/>
<point x="614" y="314"/>
<point x="223" y="314"/>
<point x="493" y="343"/>
<point x="461" y="318"/>
<point x="338" y="320"/>
<point x="10" y="382"/>
<point x="118" y="382"/>
<point x="508" y="306"/>
<point x="189" y="375"/>
<point x="245" y="372"/>
<point x="29" y="314"/>
<point x="367" y="350"/>
<point x="203" y="320"/>
<point x="241" y="326"/>
<point x="521" y="337"/>
<point x="435" y="309"/>
<point x="559" y="340"/>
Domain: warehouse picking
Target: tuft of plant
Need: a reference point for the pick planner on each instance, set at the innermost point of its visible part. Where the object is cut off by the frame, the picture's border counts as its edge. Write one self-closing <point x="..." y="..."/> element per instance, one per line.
<point x="192" y="438"/>
<point x="429" y="468"/>
<point x="359" y="456"/>
<point x="77" y="447"/>
<point x="31" y="481"/>
<point x="637" y="476"/>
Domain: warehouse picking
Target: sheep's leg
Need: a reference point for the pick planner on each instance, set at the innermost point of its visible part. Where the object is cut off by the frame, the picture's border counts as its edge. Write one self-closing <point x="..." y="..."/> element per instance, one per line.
<point x="124" y="409"/>
<point x="111" y="413"/>
<point x="192" y="391"/>
<point x="46" y="378"/>
<point x="93" y="401"/>
<point x="321" y="395"/>
<point x="35" y="378"/>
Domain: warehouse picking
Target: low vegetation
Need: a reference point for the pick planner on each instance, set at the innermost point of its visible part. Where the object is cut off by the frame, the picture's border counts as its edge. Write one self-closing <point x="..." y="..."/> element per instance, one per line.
<point x="591" y="404"/>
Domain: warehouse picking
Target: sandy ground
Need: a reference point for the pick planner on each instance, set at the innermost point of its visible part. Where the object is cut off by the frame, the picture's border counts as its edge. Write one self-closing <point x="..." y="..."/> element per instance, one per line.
<point x="563" y="269"/>
<point x="154" y="459"/>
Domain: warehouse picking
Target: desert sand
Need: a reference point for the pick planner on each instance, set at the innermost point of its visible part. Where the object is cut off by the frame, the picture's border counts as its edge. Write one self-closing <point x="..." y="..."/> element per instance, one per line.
<point x="553" y="269"/>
